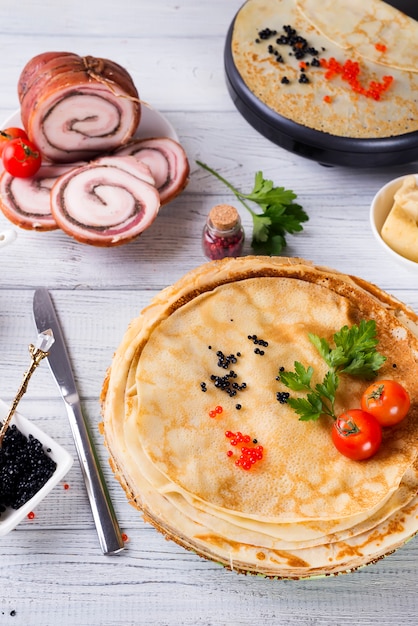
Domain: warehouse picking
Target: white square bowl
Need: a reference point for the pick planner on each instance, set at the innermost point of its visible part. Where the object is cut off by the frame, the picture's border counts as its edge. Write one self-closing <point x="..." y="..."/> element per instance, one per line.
<point x="10" y="518"/>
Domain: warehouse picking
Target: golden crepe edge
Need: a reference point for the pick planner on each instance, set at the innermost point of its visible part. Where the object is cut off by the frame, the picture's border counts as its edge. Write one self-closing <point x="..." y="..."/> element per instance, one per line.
<point x="207" y="277"/>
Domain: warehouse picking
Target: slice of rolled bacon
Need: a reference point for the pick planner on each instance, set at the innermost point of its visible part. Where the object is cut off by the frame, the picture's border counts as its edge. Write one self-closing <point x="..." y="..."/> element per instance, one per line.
<point x="167" y="161"/>
<point x="107" y="202"/>
<point x="74" y="108"/>
<point x="26" y="201"/>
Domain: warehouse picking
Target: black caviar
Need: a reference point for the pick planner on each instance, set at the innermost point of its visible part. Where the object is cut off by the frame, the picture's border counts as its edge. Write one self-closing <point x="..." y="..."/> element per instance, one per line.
<point x="300" y="48"/>
<point x="258" y="342"/>
<point x="24" y="468"/>
<point x="225" y="361"/>
<point x="223" y="383"/>
<point x="282" y="396"/>
<point x="227" y="382"/>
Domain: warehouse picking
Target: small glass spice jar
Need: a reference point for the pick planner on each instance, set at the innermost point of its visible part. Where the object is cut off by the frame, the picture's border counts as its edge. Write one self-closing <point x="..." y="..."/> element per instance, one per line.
<point x="223" y="234"/>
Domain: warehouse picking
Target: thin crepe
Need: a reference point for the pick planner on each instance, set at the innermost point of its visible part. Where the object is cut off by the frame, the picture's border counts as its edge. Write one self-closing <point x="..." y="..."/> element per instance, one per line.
<point x="374" y="29"/>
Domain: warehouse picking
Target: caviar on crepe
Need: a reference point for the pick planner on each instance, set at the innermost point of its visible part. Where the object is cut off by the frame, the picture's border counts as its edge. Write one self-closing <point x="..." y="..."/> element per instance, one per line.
<point x="349" y="70"/>
<point x="249" y="454"/>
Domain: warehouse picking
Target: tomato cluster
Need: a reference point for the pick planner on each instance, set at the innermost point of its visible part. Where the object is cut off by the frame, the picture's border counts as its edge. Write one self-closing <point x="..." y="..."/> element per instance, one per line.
<point x="20" y="156"/>
<point x="357" y="433"/>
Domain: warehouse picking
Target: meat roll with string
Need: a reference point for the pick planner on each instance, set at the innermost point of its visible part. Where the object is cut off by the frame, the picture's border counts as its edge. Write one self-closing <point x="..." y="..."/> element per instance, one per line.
<point x="74" y="107"/>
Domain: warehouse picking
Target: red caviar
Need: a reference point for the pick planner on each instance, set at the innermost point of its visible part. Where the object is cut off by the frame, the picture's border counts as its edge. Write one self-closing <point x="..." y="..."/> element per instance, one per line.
<point x="327" y="99"/>
<point x="31" y="515"/>
<point x="125" y="537"/>
<point x="66" y="486"/>
<point x="216" y="411"/>
<point x="249" y="455"/>
<point x="380" y="47"/>
<point x="350" y="72"/>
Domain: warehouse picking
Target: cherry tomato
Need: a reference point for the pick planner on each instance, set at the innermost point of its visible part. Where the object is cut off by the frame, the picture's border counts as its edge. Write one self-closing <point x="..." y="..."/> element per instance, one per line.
<point x="387" y="400"/>
<point x="21" y="158"/>
<point x="8" y="134"/>
<point x="357" y="434"/>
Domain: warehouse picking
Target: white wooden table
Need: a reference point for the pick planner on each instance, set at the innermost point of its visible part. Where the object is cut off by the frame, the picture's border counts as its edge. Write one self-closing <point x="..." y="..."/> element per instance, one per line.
<point x="51" y="568"/>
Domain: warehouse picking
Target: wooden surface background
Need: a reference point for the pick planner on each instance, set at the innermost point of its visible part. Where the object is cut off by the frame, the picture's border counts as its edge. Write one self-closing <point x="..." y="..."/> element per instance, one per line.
<point x="51" y="568"/>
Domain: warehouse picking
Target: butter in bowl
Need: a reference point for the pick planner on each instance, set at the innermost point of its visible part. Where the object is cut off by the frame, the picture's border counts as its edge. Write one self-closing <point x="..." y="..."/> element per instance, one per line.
<point x="394" y="219"/>
<point x="31" y="465"/>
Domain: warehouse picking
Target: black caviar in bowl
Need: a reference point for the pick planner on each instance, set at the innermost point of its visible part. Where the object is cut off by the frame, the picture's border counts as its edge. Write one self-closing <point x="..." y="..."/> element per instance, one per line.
<point x="25" y="467"/>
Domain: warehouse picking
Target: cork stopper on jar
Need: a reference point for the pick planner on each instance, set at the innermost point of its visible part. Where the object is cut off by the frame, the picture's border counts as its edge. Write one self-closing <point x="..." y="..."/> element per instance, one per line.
<point x="223" y="216"/>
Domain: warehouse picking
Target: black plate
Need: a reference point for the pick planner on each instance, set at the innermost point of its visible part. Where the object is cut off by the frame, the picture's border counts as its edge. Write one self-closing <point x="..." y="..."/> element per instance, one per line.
<point x="323" y="147"/>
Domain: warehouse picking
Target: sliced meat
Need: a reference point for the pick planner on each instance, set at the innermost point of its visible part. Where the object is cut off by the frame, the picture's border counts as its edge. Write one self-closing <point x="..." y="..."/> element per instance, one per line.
<point x="106" y="202"/>
<point x="130" y="164"/>
<point x="75" y="108"/>
<point x="167" y="161"/>
<point x="26" y="201"/>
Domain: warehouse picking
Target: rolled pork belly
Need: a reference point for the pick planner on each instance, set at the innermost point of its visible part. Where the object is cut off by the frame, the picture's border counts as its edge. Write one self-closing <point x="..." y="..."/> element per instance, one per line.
<point x="75" y="108"/>
<point x="26" y="201"/>
<point x="106" y="202"/>
<point x="167" y="161"/>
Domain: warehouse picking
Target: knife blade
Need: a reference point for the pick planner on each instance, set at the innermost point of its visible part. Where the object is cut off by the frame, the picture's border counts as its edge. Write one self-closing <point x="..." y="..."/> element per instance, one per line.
<point x="110" y="536"/>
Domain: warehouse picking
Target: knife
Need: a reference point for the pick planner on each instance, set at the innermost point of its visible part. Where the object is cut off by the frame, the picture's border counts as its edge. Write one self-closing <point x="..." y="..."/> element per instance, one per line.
<point x="107" y="527"/>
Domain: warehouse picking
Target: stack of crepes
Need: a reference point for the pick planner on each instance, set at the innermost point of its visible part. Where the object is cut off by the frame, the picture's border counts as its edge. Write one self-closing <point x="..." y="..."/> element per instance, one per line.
<point x="168" y="420"/>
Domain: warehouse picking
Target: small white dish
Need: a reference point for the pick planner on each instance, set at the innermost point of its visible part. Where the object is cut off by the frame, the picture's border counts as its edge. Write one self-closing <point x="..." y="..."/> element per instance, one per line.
<point x="10" y="518"/>
<point x="379" y="210"/>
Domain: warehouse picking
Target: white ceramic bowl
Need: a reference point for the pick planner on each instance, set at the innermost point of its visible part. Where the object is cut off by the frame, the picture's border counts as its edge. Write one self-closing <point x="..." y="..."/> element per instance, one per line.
<point x="380" y="208"/>
<point x="10" y="518"/>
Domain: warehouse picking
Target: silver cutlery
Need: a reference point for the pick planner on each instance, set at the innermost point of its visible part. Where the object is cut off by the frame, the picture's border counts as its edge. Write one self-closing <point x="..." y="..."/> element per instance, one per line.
<point x="107" y="527"/>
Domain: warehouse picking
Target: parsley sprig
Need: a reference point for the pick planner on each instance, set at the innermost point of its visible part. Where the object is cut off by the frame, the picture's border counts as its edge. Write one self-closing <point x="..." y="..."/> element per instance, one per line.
<point x="280" y="214"/>
<point x="354" y="354"/>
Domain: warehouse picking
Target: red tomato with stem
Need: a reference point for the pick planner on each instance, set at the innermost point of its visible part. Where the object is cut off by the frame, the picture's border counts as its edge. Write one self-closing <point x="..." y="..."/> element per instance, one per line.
<point x="8" y="134"/>
<point x="387" y="401"/>
<point x="357" y="434"/>
<point x="21" y="158"/>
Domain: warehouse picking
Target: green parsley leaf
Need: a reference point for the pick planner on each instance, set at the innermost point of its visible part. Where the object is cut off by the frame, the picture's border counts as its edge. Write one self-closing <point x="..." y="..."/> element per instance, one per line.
<point x="354" y="354"/>
<point x="261" y="228"/>
<point x="309" y="408"/>
<point x="300" y="379"/>
<point x="280" y="214"/>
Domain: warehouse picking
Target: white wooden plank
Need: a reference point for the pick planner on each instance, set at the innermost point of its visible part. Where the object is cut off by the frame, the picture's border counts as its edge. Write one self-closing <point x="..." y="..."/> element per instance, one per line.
<point x="136" y="19"/>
